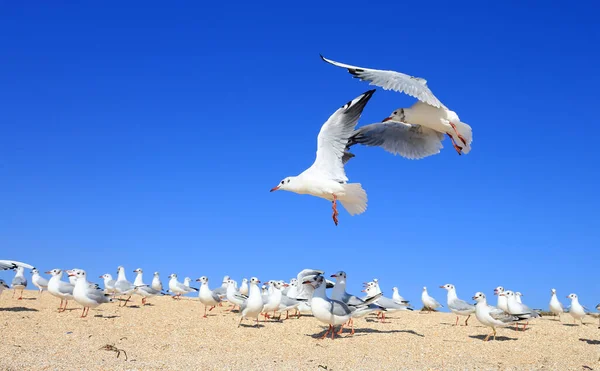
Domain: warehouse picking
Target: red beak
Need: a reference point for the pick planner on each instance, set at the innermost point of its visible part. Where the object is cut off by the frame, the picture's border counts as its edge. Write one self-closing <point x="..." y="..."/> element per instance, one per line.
<point x="386" y="119"/>
<point x="48" y="272"/>
<point x="101" y="277"/>
<point x="285" y="285"/>
<point x="274" y="189"/>
<point x="442" y="287"/>
<point x="334" y="275"/>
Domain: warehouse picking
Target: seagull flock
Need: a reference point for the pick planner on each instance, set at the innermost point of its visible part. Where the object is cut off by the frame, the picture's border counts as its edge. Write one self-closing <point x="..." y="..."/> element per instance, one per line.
<point x="414" y="133"/>
<point x="305" y="294"/>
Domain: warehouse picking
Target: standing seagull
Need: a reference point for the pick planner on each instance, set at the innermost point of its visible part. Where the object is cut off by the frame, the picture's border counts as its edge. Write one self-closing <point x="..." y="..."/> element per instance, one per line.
<point x="156" y="284"/>
<point x="109" y="284"/>
<point x="207" y="296"/>
<point x="244" y="287"/>
<point x="519" y="309"/>
<point x="491" y="316"/>
<point x="429" y="303"/>
<point x="40" y="282"/>
<point x="429" y="113"/>
<point x="502" y="299"/>
<point x="122" y="286"/>
<point x="178" y="288"/>
<point x="19" y="282"/>
<point x="457" y="306"/>
<point x="398" y="298"/>
<point x="253" y="305"/>
<point x="89" y="296"/>
<point x="576" y="310"/>
<point x="326" y="177"/>
<point x="556" y="306"/>
<point x="59" y="288"/>
<point x="141" y="288"/>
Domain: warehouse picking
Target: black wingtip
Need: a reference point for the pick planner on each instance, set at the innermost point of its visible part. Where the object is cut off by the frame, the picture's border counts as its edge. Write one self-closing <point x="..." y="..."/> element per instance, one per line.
<point x="322" y="57"/>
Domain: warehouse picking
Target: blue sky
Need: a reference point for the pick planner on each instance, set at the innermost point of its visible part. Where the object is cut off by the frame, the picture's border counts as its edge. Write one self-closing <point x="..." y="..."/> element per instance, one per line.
<point x="149" y="136"/>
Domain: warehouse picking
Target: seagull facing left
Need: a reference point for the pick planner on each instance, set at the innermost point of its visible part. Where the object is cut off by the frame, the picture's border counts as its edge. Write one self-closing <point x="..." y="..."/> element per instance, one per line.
<point x="326" y="177"/>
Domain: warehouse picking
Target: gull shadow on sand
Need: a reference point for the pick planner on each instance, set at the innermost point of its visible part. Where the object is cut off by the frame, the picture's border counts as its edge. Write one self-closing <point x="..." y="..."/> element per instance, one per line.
<point x="589" y="341"/>
<point x="570" y="324"/>
<point x="498" y="338"/>
<point x="107" y="317"/>
<point x="252" y="325"/>
<point x="18" y="309"/>
<point x="360" y="332"/>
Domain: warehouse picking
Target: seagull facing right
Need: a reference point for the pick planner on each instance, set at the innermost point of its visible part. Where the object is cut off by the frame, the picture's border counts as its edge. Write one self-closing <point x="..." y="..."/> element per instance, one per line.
<point x="556" y="306"/>
<point x="122" y="286"/>
<point x="457" y="306"/>
<point x="429" y="115"/>
<point x="156" y="284"/>
<point x="429" y="303"/>
<point x="326" y="177"/>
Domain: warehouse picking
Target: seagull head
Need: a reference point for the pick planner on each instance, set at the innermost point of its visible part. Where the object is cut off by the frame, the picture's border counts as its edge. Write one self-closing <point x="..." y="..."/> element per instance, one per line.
<point x="572" y="296"/>
<point x="288" y="184"/>
<point x="173" y="276"/>
<point x="314" y="281"/>
<point x="35" y="271"/>
<point x="397" y="115"/>
<point x="479" y="297"/>
<point x="203" y="280"/>
<point x="156" y="274"/>
<point x="3" y="284"/>
<point x="120" y="269"/>
<point x="447" y="287"/>
<point x="425" y="288"/>
<point x="106" y="276"/>
<point x="339" y="275"/>
<point x="498" y="290"/>
<point x="139" y="270"/>
<point x="54" y="272"/>
<point x="518" y="293"/>
<point x="553" y="291"/>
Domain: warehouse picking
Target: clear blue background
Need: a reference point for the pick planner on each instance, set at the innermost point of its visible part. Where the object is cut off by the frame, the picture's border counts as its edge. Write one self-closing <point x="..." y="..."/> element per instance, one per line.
<point x="148" y="134"/>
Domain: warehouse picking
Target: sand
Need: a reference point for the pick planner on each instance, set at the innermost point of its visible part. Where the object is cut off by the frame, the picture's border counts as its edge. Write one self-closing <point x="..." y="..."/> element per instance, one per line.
<point x="172" y="335"/>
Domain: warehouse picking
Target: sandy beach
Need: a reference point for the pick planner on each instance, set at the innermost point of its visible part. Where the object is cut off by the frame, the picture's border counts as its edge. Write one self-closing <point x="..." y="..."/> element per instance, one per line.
<point x="172" y="335"/>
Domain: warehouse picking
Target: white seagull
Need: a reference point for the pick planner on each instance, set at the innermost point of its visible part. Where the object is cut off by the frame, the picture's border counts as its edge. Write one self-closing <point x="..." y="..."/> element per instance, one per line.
<point x="234" y="296"/>
<point x="253" y="305"/>
<point x="38" y="281"/>
<point x="19" y="282"/>
<point x="207" y="296"/>
<point x="274" y="298"/>
<point x="122" y="286"/>
<point x="556" y="306"/>
<point x="519" y="309"/>
<point x="398" y="298"/>
<point x="109" y="284"/>
<point x="59" y="288"/>
<point x="428" y="116"/>
<point x="457" y="306"/>
<point x="502" y="299"/>
<point x="576" y="310"/>
<point x="326" y="177"/>
<point x="156" y="284"/>
<point x="141" y="288"/>
<point x="491" y="316"/>
<point x="89" y="296"/>
<point x="178" y="288"/>
<point x="428" y="302"/>
<point x="244" y="287"/>
<point x="12" y="264"/>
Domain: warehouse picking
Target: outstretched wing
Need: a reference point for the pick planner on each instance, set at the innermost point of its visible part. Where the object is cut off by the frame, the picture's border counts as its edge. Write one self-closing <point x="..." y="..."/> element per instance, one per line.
<point x="391" y="80"/>
<point x="333" y="138"/>
<point x="407" y="140"/>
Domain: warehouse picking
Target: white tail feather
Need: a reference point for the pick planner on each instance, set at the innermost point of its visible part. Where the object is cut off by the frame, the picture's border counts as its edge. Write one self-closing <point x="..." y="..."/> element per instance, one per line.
<point x="355" y="199"/>
<point x="464" y="130"/>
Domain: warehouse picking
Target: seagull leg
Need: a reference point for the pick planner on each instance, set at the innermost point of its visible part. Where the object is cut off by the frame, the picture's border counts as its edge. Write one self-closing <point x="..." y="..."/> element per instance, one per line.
<point x="494" y="334"/>
<point x="467" y="320"/>
<point x="487" y="337"/>
<point x="241" y="318"/>
<point x="126" y="300"/>
<point x="82" y="313"/>
<point x="526" y="323"/>
<point x="21" y="296"/>
<point x="332" y="332"/>
<point x="60" y="306"/>
<point x="458" y="134"/>
<point x="341" y="329"/>
<point x="256" y="322"/>
<point x="287" y="314"/>
<point x="457" y="148"/>
<point x="211" y="308"/>
<point x="205" y="315"/>
<point x="335" y="212"/>
<point x="456" y="324"/>
<point x="326" y="332"/>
